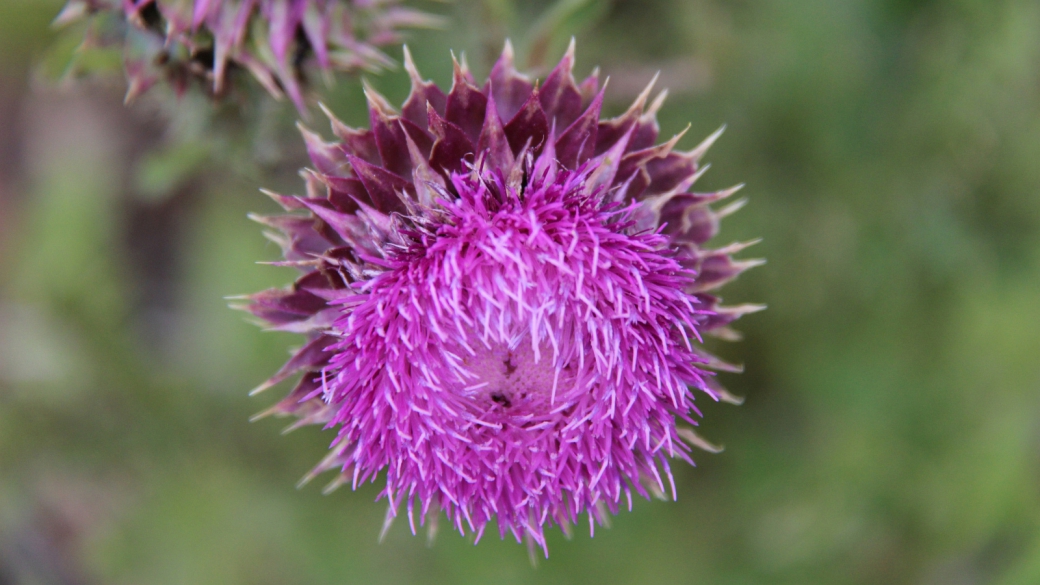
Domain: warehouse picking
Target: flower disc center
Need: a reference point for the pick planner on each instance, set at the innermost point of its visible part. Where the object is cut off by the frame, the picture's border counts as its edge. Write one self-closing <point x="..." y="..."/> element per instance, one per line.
<point x="512" y="377"/>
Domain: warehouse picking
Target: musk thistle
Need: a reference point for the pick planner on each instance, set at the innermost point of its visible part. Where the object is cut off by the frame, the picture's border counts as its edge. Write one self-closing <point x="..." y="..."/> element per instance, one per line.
<point x="275" y="40"/>
<point x="505" y="298"/>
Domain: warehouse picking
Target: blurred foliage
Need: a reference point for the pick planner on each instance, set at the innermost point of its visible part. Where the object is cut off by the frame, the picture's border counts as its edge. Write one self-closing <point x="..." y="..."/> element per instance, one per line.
<point x="891" y="432"/>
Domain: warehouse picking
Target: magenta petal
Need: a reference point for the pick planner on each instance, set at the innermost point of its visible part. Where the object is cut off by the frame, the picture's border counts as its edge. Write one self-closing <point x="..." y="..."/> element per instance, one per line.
<point x="303" y="242"/>
<point x="310" y="357"/>
<point x="589" y="87"/>
<point x="391" y="143"/>
<point x="384" y="188"/>
<point x="327" y="157"/>
<point x="452" y="146"/>
<point x="528" y="126"/>
<point x="466" y="106"/>
<point x="577" y="143"/>
<point x="560" y="98"/>
<point x="281" y="306"/>
<point x="493" y="139"/>
<point x="422" y="93"/>
<point x="346" y="193"/>
<point x="718" y="269"/>
<point x="282" y="28"/>
<point x="316" y="23"/>
<point x="420" y="137"/>
<point x="201" y="11"/>
<point x="509" y="88"/>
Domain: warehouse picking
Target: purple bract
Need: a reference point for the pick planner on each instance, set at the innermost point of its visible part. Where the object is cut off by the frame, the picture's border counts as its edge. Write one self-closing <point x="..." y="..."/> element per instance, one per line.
<point x="272" y="39"/>
<point x="505" y="298"/>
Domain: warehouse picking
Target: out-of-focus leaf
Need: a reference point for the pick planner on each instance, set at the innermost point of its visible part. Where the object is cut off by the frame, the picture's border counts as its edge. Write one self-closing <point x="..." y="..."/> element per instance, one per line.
<point x="162" y="172"/>
<point x="565" y="18"/>
<point x="60" y="56"/>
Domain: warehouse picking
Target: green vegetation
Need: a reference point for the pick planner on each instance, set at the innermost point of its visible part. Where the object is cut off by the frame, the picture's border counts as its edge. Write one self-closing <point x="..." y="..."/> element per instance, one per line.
<point x="891" y="432"/>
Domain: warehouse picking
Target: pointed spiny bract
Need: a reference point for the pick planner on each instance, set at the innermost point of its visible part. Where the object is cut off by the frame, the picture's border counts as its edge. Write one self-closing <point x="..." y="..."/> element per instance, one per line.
<point x="183" y="39"/>
<point x="504" y="297"/>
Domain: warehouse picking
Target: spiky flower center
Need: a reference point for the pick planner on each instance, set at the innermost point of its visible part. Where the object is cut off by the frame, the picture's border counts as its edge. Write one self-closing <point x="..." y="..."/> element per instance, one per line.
<point x="520" y="303"/>
<point x="508" y="378"/>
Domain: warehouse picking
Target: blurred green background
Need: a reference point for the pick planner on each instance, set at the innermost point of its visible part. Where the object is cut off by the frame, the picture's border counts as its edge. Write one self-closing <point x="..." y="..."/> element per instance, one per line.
<point x="891" y="432"/>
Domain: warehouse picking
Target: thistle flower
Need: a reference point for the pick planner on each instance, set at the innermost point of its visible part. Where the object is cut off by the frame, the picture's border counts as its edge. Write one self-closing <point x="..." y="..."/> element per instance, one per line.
<point x="272" y="39"/>
<point x="505" y="298"/>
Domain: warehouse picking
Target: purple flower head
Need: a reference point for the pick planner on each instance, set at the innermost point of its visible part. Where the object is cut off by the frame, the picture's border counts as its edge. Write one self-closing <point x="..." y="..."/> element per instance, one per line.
<point x="272" y="39"/>
<point x="505" y="298"/>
